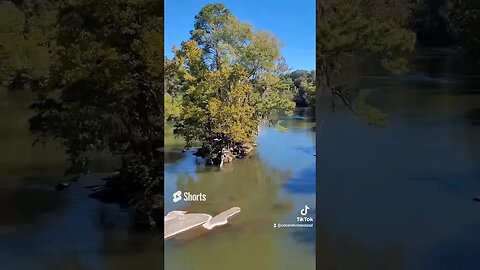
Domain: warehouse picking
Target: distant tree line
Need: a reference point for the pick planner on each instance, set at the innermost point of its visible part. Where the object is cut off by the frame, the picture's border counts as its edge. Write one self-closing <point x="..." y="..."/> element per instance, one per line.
<point x="302" y="83"/>
<point x="447" y="23"/>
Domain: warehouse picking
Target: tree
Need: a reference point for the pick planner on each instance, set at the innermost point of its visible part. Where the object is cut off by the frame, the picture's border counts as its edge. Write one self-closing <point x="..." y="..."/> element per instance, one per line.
<point x="24" y="56"/>
<point x="303" y="85"/>
<point x="172" y="107"/>
<point x="349" y="28"/>
<point x="231" y="80"/>
<point x="465" y="21"/>
<point x="105" y="93"/>
<point x="35" y="13"/>
<point x="430" y="22"/>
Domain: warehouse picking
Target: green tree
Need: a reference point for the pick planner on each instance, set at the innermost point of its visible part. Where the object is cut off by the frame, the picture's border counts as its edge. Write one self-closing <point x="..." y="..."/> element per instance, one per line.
<point x="172" y="107"/>
<point x="105" y="93"/>
<point x="25" y="57"/>
<point x="231" y="80"/>
<point x="347" y="29"/>
<point x="35" y="13"/>
<point x="303" y="86"/>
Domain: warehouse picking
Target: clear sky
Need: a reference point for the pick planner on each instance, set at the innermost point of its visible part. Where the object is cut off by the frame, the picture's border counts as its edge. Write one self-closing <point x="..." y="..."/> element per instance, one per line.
<point x="291" y="21"/>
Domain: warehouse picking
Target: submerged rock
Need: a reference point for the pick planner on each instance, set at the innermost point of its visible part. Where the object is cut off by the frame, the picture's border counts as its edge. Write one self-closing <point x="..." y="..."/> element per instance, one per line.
<point x="477" y="199"/>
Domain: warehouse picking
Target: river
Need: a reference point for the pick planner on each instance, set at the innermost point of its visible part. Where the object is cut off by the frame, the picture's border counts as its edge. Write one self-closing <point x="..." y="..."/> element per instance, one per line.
<point x="400" y="197"/>
<point x="271" y="186"/>
<point x="44" y="229"/>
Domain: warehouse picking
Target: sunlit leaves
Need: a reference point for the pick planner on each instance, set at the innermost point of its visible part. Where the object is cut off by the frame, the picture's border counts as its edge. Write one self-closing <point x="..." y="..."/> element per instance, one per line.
<point x="173" y="106"/>
<point x="229" y="77"/>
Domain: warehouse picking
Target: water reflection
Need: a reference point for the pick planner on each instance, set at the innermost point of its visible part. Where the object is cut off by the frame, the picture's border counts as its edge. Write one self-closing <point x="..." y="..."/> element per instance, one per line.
<point x="41" y="228"/>
<point x="16" y="210"/>
<point x="253" y="187"/>
<point x="342" y="252"/>
<point x="406" y="189"/>
<point x="268" y="187"/>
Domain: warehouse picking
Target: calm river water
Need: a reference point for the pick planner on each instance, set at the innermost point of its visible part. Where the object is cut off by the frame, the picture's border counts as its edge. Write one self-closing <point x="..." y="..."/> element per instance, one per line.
<point x="270" y="187"/>
<point x="41" y="228"/>
<point x="400" y="197"/>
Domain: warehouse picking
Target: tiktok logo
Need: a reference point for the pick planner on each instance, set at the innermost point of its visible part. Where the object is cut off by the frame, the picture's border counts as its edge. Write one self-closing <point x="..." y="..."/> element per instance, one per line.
<point x="177" y="196"/>
<point x="304" y="211"/>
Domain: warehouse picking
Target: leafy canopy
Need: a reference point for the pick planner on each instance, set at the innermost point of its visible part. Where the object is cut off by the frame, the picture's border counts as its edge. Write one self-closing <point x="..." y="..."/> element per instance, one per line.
<point x="229" y="78"/>
<point x="105" y="88"/>
<point x="24" y="57"/>
<point x="303" y="85"/>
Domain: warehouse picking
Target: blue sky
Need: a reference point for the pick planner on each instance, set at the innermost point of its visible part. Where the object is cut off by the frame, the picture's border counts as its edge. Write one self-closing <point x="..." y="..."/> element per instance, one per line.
<point x="293" y="22"/>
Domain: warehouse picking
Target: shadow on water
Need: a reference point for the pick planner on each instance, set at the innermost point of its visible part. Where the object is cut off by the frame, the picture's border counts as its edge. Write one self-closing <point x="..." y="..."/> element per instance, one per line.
<point x="41" y="228"/>
<point x="67" y="230"/>
<point x="173" y="156"/>
<point x="25" y="205"/>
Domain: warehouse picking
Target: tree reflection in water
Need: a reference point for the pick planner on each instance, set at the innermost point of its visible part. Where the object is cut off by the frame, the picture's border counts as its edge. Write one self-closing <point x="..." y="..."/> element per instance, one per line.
<point x="249" y="240"/>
